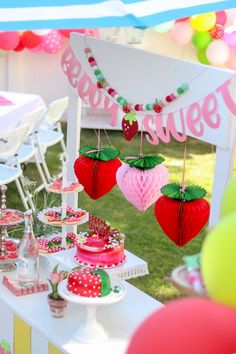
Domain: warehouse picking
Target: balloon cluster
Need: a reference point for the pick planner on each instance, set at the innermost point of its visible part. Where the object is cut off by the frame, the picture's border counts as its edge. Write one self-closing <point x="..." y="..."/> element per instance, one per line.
<point x="194" y="325"/>
<point x="49" y="41"/>
<point x="213" y="34"/>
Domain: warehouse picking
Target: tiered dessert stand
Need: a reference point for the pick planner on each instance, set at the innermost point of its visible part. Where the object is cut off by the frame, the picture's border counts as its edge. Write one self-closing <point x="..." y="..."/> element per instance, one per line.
<point x="8" y="248"/>
<point x="60" y="214"/>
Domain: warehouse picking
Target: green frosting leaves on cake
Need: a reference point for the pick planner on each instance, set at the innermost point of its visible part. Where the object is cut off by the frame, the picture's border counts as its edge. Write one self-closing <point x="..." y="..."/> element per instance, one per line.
<point x="104" y="153"/>
<point x="105" y="281"/>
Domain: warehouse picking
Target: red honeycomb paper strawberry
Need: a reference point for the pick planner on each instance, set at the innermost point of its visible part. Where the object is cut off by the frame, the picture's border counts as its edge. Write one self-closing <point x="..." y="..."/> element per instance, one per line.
<point x="89" y="282"/>
<point x="129" y="126"/>
<point x="96" y="169"/>
<point x="182" y="213"/>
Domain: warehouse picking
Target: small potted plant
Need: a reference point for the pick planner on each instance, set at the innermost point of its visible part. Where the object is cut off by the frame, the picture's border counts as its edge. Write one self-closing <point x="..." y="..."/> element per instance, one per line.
<point x="56" y="303"/>
<point x="5" y="347"/>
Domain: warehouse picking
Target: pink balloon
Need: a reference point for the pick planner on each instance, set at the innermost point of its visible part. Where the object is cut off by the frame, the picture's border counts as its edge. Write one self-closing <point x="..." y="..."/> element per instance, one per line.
<point x="231" y="15"/>
<point x="181" y="33"/>
<point x="221" y="18"/>
<point x="217" y="52"/>
<point x="52" y="42"/>
<point x="231" y="63"/>
<point x="230" y="38"/>
<point x="41" y="32"/>
<point x="66" y="32"/>
<point x="92" y="32"/>
<point x="9" y="40"/>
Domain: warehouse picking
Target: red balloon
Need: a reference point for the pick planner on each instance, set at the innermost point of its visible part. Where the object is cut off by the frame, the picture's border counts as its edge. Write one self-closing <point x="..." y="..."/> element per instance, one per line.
<point x="189" y="326"/>
<point x="9" y="40"/>
<point x="30" y="40"/>
<point x="66" y="33"/>
<point x="182" y="19"/>
<point x="221" y="18"/>
<point x="20" y="47"/>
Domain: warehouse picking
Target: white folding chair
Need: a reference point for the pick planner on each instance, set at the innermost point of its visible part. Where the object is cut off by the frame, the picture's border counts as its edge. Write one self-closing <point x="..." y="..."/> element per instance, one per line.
<point x="11" y="170"/>
<point x="52" y="134"/>
<point x="29" y="151"/>
<point x="53" y="116"/>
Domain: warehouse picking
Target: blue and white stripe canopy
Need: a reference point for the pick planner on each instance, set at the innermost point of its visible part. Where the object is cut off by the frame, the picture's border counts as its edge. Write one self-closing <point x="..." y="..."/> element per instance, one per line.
<point x="39" y="14"/>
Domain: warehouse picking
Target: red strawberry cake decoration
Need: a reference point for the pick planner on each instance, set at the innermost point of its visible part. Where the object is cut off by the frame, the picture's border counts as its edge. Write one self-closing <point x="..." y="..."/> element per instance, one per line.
<point x="96" y="169"/>
<point x="89" y="282"/>
<point x="182" y="212"/>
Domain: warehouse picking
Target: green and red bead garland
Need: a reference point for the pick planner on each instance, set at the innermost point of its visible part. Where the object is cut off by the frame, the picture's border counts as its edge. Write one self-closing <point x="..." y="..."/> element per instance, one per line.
<point x="129" y="122"/>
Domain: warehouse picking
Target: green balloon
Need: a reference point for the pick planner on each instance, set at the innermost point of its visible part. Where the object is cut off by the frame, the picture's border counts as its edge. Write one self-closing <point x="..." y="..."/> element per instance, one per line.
<point x="201" y="40"/>
<point x="228" y="205"/>
<point x="201" y="55"/>
<point x="218" y="262"/>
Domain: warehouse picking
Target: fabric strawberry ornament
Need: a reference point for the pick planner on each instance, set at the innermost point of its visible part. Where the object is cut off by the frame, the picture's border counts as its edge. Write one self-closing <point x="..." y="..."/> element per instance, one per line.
<point x="182" y="213"/>
<point x="129" y="126"/>
<point x="140" y="179"/>
<point x="89" y="282"/>
<point x="96" y="169"/>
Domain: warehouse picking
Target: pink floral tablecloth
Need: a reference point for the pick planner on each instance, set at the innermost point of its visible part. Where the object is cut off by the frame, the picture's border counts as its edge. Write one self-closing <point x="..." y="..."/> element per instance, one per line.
<point x="14" y="106"/>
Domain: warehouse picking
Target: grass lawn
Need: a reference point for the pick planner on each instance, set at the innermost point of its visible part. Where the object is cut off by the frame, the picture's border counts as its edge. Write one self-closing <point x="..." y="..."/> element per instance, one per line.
<point x="144" y="236"/>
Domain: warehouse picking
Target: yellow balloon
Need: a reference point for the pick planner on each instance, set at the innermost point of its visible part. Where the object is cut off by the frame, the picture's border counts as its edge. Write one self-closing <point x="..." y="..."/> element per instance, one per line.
<point x="218" y="262"/>
<point x="229" y="199"/>
<point x="204" y="22"/>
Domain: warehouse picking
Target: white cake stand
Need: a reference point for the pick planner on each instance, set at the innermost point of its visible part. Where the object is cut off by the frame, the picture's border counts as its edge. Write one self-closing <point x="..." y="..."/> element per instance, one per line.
<point x="91" y="331"/>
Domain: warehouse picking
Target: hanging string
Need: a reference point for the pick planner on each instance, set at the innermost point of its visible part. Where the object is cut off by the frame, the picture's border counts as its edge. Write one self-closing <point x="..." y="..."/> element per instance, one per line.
<point x="213" y="159"/>
<point x="99" y="139"/>
<point x="141" y="141"/>
<point x="98" y="135"/>
<point x="184" y="165"/>
<point x="109" y="140"/>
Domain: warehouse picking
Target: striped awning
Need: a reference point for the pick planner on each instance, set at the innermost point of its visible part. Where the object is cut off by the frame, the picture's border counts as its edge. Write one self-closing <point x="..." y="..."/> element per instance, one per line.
<point x="39" y="14"/>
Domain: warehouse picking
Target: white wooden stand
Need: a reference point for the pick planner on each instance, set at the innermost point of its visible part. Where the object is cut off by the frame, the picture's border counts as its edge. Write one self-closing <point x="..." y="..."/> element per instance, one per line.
<point x="140" y="76"/>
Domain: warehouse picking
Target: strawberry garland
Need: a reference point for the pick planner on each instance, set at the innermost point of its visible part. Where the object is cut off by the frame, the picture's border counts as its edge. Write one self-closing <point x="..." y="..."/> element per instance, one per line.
<point x="140" y="179"/>
<point x="129" y="122"/>
<point x="182" y="212"/>
<point x="96" y="169"/>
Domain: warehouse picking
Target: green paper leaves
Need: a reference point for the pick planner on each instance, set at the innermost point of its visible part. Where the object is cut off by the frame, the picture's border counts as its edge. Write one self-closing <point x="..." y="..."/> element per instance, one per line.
<point x="175" y="191"/>
<point x="145" y="162"/>
<point x="104" y="153"/>
<point x="130" y="117"/>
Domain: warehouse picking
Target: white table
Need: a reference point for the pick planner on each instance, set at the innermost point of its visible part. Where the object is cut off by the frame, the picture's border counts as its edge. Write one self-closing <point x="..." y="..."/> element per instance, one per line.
<point x="40" y="330"/>
<point x="22" y="104"/>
